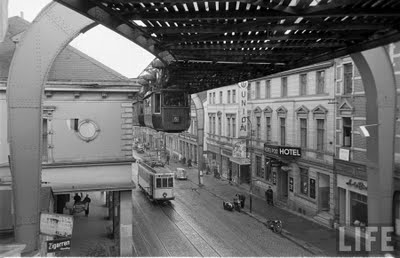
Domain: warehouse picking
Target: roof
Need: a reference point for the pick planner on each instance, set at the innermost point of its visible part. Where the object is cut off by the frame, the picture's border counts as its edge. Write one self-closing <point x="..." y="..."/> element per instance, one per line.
<point x="70" y="65"/>
<point x="213" y="43"/>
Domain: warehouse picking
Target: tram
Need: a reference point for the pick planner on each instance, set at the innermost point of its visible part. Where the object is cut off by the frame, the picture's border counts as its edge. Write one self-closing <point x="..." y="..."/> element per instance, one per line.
<point x="157" y="184"/>
<point x="167" y="110"/>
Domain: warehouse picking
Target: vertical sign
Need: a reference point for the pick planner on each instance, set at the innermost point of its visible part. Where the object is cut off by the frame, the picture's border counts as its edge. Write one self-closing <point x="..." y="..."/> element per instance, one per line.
<point x="291" y="184"/>
<point x="274" y="178"/>
<point x="242" y="118"/>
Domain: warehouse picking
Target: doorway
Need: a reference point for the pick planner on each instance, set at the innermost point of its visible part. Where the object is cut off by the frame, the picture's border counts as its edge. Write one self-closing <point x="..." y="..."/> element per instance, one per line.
<point x="323" y="192"/>
<point x="283" y="185"/>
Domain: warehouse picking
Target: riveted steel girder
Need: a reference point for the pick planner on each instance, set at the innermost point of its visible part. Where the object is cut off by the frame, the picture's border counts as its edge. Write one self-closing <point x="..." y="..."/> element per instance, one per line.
<point x="47" y="36"/>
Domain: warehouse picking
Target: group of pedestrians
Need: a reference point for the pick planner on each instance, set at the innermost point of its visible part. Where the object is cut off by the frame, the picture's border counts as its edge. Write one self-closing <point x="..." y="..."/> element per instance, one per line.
<point x="86" y="201"/>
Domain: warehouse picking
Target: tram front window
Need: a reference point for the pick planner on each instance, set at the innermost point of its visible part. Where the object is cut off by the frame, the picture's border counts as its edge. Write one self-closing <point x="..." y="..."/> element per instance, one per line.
<point x="174" y="99"/>
<point x="158" y="183"/>
<point x="170" y="182"/>
<point x="165" y="182"/>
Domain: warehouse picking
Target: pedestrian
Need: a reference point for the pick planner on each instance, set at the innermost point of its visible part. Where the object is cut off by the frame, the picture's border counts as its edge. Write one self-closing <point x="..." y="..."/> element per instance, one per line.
<point x="167" y="159"/>
<point x="86" y="201"/>
<point x="189" y="163"/>
<point x="77" y="198"/>
<point x="242" y="199"/>
<point x="270" y="196"/>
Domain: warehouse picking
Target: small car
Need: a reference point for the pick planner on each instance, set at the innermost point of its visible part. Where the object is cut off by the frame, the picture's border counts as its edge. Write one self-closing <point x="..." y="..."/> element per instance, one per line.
<point x="180" y="173"/>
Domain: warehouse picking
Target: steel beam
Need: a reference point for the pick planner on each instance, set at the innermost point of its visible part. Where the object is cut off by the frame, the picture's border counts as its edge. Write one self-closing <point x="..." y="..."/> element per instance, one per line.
<point x="47" y="36"/>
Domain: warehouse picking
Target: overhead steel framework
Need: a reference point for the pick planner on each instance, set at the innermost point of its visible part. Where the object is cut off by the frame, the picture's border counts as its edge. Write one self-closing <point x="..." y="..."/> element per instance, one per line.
<point x="209" y="44"/>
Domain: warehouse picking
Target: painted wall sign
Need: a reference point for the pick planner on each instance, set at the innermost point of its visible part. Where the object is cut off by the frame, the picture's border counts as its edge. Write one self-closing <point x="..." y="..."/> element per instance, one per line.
<point x="243" y="108"/>
<point x="359" y="185"/>
<point x="58" y="245"/>
<point x="284" y="151"/>
<point x="291" y="184"/>
<point x="344" y="154"/>
<point x="239" y="150"/>
<point x="56" y="224"/>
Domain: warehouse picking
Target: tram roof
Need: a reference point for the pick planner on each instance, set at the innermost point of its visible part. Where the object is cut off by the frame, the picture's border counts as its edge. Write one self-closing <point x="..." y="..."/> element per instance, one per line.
<point x="209" y="44"/>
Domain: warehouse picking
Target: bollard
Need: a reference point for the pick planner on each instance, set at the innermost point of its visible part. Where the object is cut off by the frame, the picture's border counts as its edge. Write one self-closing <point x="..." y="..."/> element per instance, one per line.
<point x="201" y="177"/>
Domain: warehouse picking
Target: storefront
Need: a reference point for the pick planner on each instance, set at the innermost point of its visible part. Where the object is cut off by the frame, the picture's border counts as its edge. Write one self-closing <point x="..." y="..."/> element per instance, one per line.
<point x="240" y="163"/>
<point x="226" y="164"/>
<point x="352" y="201"/>
<point x="214" y="159"/>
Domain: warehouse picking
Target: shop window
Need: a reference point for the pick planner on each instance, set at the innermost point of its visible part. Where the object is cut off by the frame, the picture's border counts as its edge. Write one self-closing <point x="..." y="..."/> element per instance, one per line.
<point x="268" y="169"/>
<point x="304" y="181"/>
<point x="346" y="131"/>
<point x="258" y="167"/>
<point x="359" y="209"/>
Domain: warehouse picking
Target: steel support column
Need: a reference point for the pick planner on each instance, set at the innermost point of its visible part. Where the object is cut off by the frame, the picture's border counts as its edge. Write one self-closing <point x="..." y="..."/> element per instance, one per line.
<point x="377" y="74"/>
<point x="200" y="134"/>
<point x="45" y="38"/>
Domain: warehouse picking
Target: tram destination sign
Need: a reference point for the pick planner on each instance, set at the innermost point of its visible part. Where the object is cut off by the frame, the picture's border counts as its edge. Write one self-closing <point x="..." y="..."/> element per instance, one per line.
<point x="284" y="151"/>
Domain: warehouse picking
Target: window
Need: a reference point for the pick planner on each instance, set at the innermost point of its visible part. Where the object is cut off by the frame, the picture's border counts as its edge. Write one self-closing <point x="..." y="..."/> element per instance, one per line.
<point x="303" y="132"/>
<point x="210" y="98"/>
<point x="219" y="126"/>
<point x="304" y="181"/>
<point x="346" y="131"/>
<point x="158" y="182"/>
<point x="233" y="127"/>
<point x="259" y="172"/>
<point x="303" y="84"/>
<point x="233" y="96"/>
<point x="228" y="99"/>
<point x="228" y="128"/>
<point x="220" y="97"/>
<point x="320" y="134"/>
<point x="214" y="125"/>
<point x="348" y="78"/>
<point x="320" y="82"/>
<point x="157" y="103"/>
<point x="248" y="91"/>
<point x="258" y="128"/>
<point x="170" y="182"/>
<point x="209" y="123"/>
<point x="284" y="87"/>
<point x="283" y="131"/>
<point x="213" y="101"/>
<point x="258" y="90"/>
<point x="268" y="127"/>
<point x="268" y="89"/>
<point x="44" y="141"/>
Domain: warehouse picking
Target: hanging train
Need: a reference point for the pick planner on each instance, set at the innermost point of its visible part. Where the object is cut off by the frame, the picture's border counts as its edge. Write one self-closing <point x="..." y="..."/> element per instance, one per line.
<point x="166" y="110"/>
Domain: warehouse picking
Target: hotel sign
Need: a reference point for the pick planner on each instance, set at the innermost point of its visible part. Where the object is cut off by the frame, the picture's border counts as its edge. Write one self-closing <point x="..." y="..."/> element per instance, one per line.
<point x="283" y="151"/>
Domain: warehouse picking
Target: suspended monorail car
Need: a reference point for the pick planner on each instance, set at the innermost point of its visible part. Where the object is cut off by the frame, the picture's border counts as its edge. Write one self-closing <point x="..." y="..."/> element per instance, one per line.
<point x="167" y="110"/>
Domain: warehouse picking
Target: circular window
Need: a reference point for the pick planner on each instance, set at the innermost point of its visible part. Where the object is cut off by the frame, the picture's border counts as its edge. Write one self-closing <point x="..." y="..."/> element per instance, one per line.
<point x="88" y="130"/>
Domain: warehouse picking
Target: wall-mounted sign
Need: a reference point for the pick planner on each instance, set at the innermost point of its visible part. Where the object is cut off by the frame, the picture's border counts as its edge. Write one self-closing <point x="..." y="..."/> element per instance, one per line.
<point x="243" y="109"/>
<point x="284" y="151"/>
<point x="56" y="224"/>
<point x="291" y="184"/>
<point x="58" y="245"/>
<point x="274" y="178"/>
<point x="239" y="150"/>
<point x="359" y="185"/>
<point x="344" y="154"/>
<point x="312" y="188"/>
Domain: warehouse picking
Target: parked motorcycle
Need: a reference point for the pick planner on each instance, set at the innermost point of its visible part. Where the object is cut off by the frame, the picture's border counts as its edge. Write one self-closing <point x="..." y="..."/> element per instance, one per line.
<point x="227" y="206"/>
<point x="237" y="204"/>
<point x="275" y="225"/>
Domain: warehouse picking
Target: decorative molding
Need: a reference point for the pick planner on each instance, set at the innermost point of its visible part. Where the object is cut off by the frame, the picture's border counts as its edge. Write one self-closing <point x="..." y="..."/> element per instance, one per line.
<point x="302" y="112"/>
<point x="281" y="111"/>
<point x="257" y="110"/>
<point x="345" y="108"/>
<point x="319" y="112"/>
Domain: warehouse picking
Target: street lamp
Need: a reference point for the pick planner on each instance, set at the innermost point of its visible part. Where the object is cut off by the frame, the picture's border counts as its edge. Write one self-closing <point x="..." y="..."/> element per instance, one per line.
<point x="250" y="167"/>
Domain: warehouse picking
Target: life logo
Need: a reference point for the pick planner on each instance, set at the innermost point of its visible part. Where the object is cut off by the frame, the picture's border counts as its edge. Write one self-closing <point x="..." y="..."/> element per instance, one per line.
<point x="243" y="84"/>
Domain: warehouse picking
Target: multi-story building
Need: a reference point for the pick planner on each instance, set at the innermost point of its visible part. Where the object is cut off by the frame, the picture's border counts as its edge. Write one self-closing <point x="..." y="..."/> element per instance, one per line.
<point x="292" y="132"/>
<point x="351" y="151"/>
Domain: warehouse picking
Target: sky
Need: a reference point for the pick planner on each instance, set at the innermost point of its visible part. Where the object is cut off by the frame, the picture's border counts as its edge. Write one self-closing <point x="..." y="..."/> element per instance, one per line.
<point x="100" y="43"/>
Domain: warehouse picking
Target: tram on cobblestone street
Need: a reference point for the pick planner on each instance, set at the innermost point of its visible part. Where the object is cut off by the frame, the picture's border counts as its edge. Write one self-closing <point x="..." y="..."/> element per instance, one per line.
<point x="155" y="182"/>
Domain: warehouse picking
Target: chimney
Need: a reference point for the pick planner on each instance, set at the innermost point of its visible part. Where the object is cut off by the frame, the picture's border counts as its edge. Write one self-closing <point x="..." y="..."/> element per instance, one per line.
<point x="22" y="15"/>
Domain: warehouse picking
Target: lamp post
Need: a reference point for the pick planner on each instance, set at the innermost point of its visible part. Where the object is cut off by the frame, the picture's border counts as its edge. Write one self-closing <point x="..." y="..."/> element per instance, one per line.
<point x="250" y="167"/>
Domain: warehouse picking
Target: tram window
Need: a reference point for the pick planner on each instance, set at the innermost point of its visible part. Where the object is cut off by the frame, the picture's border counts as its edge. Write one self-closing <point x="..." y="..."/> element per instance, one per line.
<point x="157" y="103"/>
<point x="175" y="99"/>
<point x="170" y="182"/>
<point x="158" y="183"/>
<point x="165" y="182"/>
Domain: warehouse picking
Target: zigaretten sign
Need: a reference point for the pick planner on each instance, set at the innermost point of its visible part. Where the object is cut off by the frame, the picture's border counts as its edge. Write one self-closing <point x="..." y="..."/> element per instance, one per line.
<point x="284" y="151"/>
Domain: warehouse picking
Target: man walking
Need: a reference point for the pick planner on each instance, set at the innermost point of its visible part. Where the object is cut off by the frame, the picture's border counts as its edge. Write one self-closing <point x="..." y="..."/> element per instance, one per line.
<point x="86" y="201"/>
<point x="269" y="194"/>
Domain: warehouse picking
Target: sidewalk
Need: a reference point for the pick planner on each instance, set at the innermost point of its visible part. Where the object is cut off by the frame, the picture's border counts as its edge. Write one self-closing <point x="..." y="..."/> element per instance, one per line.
<point x="315" y="238"/>
<point x="89" y="236"/>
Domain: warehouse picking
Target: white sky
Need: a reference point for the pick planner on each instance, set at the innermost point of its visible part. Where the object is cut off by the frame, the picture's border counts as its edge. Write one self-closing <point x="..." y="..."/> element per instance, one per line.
<point x="100" y="43"/>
